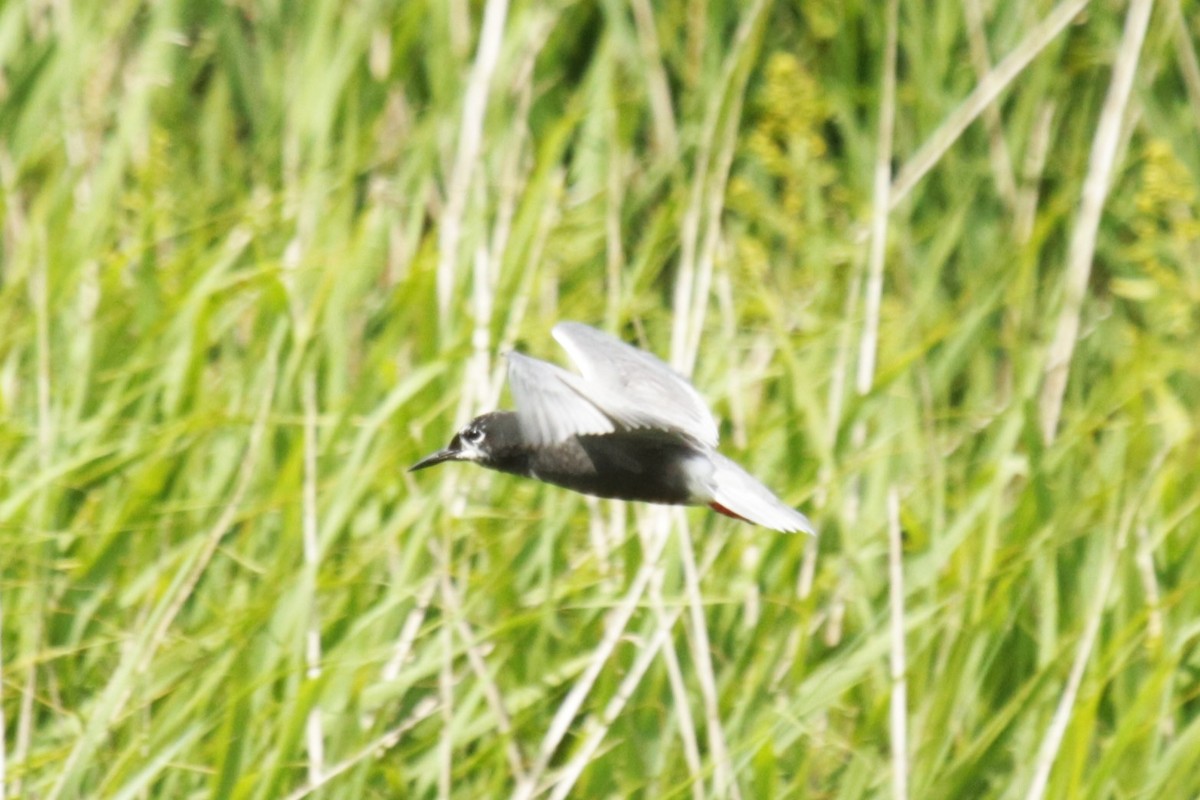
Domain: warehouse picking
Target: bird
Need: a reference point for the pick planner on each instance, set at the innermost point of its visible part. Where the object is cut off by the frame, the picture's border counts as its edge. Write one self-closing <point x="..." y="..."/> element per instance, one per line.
<point x="626" y="426"/>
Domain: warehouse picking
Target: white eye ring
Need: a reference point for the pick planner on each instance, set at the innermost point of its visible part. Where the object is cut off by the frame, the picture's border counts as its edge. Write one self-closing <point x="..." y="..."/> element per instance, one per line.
<point x="473" y="435"/>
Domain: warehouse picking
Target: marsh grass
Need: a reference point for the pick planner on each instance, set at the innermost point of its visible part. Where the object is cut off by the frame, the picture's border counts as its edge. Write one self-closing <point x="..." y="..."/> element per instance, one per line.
<point x="258" y="259"/>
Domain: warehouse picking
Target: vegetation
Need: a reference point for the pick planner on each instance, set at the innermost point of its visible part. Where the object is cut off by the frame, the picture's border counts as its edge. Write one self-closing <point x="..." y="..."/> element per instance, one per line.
<point x="936" y="267"/>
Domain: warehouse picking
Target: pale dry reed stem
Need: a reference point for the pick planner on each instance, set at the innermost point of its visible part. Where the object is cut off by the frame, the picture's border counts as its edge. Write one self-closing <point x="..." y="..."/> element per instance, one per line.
<point x="618" y="620"/>
<point x="725" y="781"/>
<point x="476" y="389"/>
<point x="597" y="732"/>
<point x="1002" y="167"/>
<point x="1155" y="627"/>
<point x="984" y="94"/>
<point x="1185" y="54"/>
<point x="38" y="289"/>
<point x="660" y="525"/>
<point x="687" y="726"/>
<point x="16" y="228"/>
<point x="519" y="303"/>
<point x="689" y="234"/>
<point x="408" y="637"/>
<point x="1083" y="238"/>
<point x="483" y="296"/>
<point x="689" y="323"/>
<point x="514" y="164"/>
<point x="3" y="718"/>
<point x="734" y="87"/>
<point x="692" y="289"/>
<point x="46" y="436"/>
<point x="869" y="343"/>
<point x="314" y="737"/>
<point x="470" y="136"/>
<point x="1033" y="169"/>
<point x="1048" y="751"/>
<point x="735" y="370"/>
<point x="898" y="716"/>
<point x="598" y="536"/>
<point x="137" y="656"/>
<point x="707" y="192"/>
<point x="1052" y="741"/>
<point x="25" y="717"/>
<point x="1149" y="576"/>
<point x="378" y="747"/>
<point x="658" y="89"/>
<point x="614" y="196"/>
<point x="839" y="377"/>
<point x="459" y="24"/>
<point x="409" y="630"/>
<point x="445" y="747"/>
<point x="491" y="691"/>
<point x="840" y="371"/>
<point x="14" y="231"/>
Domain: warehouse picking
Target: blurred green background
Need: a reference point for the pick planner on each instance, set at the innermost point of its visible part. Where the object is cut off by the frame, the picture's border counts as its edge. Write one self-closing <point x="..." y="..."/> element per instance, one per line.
<point x="260" y="257"/>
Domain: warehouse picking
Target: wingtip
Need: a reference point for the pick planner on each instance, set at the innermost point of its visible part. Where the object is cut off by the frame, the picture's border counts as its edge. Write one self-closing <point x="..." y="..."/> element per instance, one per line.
<point x="805" y="527"/>
<point x="798" y="524"/>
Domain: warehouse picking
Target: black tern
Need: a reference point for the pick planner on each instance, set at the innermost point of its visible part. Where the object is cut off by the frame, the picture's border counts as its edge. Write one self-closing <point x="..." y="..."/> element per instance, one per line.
<point x="628" y="427"/>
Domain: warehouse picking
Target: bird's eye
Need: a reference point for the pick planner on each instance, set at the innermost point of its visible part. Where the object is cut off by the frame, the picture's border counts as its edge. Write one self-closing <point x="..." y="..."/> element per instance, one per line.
<point x="473" y="435"/>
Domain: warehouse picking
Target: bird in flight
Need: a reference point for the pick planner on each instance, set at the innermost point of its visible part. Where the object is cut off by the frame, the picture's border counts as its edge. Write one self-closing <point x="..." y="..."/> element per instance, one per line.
<point x="627" y="427"/>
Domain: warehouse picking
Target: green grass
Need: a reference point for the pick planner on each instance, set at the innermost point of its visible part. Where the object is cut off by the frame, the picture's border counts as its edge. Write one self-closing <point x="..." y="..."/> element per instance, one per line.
<point x="252" y="269"/>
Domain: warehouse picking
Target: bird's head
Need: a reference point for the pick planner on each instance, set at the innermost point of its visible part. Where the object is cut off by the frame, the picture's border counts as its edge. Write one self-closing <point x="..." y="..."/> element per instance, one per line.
<point x="485" y="440"/>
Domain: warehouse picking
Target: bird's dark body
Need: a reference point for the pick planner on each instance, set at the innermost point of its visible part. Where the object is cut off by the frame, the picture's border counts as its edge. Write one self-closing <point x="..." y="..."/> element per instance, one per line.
<point x="627" y="427"/>
<point x="647" y="466"/>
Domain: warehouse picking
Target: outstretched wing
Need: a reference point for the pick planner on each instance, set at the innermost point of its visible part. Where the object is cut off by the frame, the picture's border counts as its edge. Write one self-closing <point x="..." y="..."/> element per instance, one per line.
<point x="633" y="388"/>
<point x="550" y="404"/>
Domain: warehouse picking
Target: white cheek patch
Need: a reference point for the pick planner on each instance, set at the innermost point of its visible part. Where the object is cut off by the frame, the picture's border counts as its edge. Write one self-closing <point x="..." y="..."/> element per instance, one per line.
<point x="471" y="452"/>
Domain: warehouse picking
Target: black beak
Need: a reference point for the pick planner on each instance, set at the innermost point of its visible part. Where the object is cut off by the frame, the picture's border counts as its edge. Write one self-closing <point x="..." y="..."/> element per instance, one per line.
<point x="450" y="453"/>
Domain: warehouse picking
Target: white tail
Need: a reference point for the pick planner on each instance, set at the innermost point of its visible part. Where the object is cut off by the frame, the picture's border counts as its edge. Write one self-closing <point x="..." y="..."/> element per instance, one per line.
<point x="739" y="494"/>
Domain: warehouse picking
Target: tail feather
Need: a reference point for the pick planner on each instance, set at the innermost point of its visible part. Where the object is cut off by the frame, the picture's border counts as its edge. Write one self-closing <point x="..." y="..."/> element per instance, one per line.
<point x="737" y="494"/>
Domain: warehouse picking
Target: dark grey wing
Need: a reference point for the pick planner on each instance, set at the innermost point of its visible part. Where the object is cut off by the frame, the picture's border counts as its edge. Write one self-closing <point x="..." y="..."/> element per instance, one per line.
<point x="550" y="404"/>
<point x="635" y="388"/>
